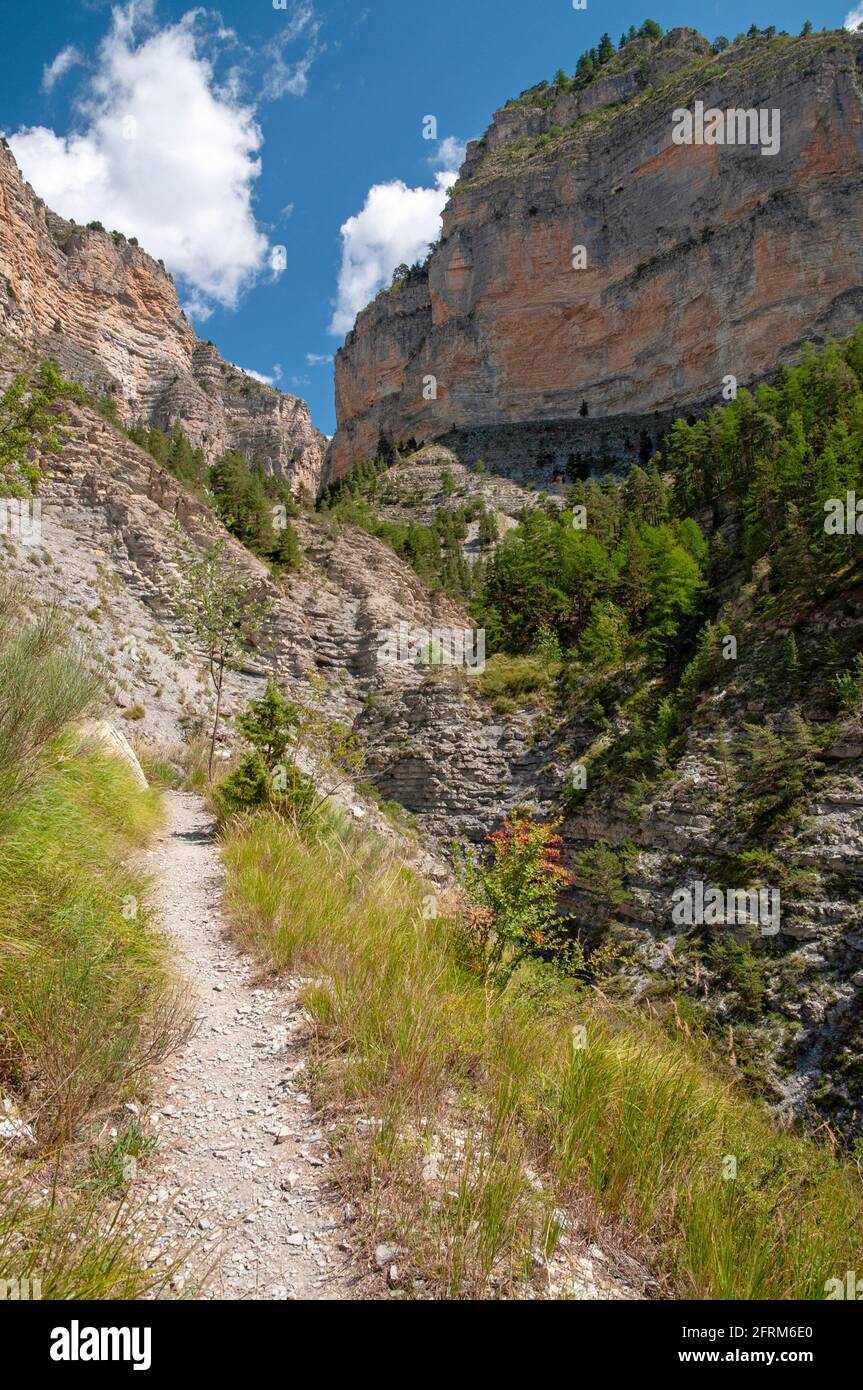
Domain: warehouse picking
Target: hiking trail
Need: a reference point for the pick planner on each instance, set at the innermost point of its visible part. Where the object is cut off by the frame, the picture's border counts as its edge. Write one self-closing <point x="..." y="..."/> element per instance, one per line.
<point x="240" y="1175"/>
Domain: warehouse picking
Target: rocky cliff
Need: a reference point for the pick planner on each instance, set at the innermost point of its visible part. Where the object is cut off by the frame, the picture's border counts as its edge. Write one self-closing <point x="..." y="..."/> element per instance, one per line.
<point x="108" y="314"/>
<point x="701" y="260"/>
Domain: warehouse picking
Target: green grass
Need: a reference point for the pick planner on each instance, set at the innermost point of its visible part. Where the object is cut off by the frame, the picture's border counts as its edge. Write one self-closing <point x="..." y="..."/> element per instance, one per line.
<point x="85" y="978"/>
<point x="510" y="681"/>
<point x="45" y="683"/>
<point x="637" y="1124"/>
<point x="114" y="1164"/>
<point x="73" y="1247"/>
<point x="88" y="997"/>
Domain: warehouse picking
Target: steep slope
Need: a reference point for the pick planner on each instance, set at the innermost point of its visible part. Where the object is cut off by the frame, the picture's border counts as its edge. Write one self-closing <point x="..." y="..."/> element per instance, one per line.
<point x="108" y="314"/>
<point x="112" y="521"/>
<point x="702" y="260"/>
<point x="726" y="754"/>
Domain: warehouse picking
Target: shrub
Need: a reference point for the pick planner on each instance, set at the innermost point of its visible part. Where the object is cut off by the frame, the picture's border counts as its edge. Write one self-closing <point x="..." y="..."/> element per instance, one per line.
<point x="30" y="421"/>
<point x="511" y="680"/>
<point x="267" y="776"/>
<point x="517" y="890"/>
<point x="847" y="687"/>
<point x="742" y="971"/>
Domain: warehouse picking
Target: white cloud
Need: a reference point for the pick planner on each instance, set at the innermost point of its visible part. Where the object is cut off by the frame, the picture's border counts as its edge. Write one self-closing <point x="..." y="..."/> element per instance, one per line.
<point x="317" y="359"/>
<point x="450" y="154"/>
<point x="396" y="225"/>
<point x="197" y="307"/>
<point x="854" y="18"/>
<point x="67" y="58"/>
<point x="276" y="374"/>
<point x="164" y="154"/>
<point x="282" y="77"/>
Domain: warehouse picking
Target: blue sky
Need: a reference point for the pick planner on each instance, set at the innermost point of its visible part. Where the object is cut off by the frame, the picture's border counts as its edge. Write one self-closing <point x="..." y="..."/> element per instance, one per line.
<point x="219" y="135"/>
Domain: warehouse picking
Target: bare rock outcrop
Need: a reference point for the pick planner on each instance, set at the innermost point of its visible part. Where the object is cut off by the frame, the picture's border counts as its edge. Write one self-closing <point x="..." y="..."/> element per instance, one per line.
<point x="107" y="313"/>
<point x="702" y="261"/>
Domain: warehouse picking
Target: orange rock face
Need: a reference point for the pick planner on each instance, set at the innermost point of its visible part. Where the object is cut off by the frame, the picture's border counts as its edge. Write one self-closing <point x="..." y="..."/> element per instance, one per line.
<point x="108" y="314"/>
<point x="702" y="260"/>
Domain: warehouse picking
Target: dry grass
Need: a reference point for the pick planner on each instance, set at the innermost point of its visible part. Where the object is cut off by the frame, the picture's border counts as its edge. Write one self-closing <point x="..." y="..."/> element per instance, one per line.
<point x="637" y="1124"/>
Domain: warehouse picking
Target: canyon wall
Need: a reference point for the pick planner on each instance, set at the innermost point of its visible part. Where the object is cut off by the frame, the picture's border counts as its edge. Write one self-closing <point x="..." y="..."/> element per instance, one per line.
<point x="108" y="315"/>
<point x="702" y="260"/>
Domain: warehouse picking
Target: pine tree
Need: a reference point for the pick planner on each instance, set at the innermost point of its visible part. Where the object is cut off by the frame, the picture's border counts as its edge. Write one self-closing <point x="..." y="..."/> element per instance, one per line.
<point x="287" y="553"/>
<point x="585" y="68"/>
<point x="606" y="49"/>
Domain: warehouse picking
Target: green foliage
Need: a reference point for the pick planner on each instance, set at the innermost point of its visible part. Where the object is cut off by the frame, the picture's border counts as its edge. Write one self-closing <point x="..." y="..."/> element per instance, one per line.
<point x="269" y="725"/>
<point x="267" y="777"/>
<point x="31" y="422"/>
<point x="603" y="640"/>
<point x="847" y="687"/>
<point x="515" y="680"/>
<point x="247" y="788"/>
<point x="741" y="970"/>
<point x="791" y="656"/>
<point x="174" y="452"/>
<point x="85" y="986"/>
<point x="88" y="1000"/>
<point x="780" y="455"/>
<point x="46" y="681"/>
<point x="225" y="611"/>
<point x="255" y="508"/>
<point x="489" y="530"/>
<point x="601" y="870"/>
<point x="606" y="49"/>
<point x="599" y="1100"/>
<point x="112" y="1165"/>
<point x="518" y="887"/>
<point x="779" y="767"/>
<point x="547" y="647"/>
<point x="435" y="551"/>
<point x="622" y="584"/>
<point x="285" y="735"/>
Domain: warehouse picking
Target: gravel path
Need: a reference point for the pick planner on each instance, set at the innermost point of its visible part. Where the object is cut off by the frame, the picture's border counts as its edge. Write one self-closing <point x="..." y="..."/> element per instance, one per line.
<point x="241" y="1170"/>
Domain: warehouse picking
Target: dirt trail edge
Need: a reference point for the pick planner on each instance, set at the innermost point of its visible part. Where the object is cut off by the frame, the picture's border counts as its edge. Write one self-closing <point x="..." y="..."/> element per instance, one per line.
<point x="240" y="1176"/>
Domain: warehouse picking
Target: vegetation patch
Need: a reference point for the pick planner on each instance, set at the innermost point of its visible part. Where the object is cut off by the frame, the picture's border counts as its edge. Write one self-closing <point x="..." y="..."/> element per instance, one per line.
<point x="88" y="999"/>
<point x="493" y="1107"/>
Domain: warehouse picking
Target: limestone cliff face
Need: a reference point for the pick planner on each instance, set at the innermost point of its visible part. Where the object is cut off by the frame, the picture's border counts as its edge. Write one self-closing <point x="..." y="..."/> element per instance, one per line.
<point x="108" y="314"/>
<point x="702" y="260"/>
